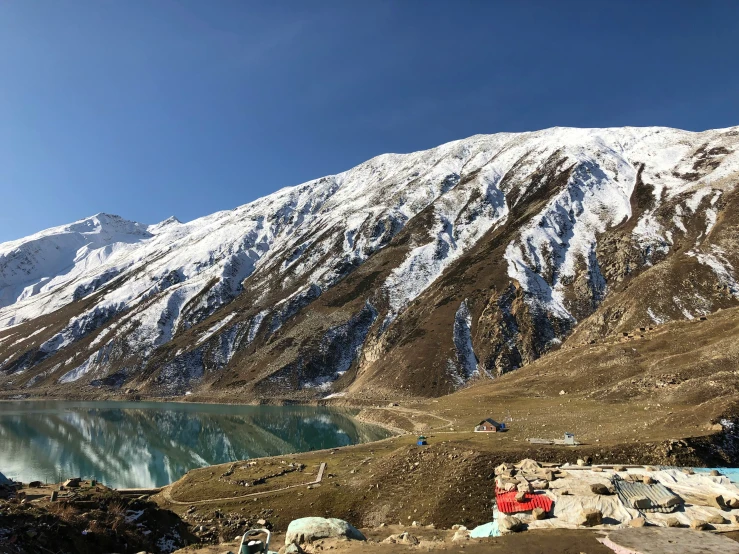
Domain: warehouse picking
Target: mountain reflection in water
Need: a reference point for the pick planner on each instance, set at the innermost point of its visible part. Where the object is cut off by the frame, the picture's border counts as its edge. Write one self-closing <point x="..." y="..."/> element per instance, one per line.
<point x="148" y="444"/>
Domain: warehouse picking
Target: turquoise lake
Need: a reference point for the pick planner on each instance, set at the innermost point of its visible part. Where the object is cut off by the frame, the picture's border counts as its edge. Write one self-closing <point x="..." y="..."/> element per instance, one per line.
<point x="150" y="444"/>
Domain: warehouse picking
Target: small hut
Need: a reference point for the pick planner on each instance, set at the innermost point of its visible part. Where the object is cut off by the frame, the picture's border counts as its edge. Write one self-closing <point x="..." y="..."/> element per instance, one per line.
<point x="489" y="425"/>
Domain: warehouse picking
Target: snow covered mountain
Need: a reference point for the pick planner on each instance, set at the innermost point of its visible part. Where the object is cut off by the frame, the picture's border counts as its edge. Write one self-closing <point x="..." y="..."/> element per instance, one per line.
<point x="414" y="272"/>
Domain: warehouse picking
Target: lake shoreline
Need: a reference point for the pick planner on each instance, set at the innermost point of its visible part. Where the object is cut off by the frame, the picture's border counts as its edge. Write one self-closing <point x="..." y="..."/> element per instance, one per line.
<point x="108" y="440"/>
<point x="336" y="402"/>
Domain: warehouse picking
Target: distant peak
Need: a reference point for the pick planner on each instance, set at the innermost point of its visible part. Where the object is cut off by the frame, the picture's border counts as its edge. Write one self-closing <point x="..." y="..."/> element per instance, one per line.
<point x="172" y="220"/>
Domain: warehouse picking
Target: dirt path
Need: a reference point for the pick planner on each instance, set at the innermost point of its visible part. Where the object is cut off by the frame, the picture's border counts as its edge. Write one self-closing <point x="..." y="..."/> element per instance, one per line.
<point x="390" y="423"/>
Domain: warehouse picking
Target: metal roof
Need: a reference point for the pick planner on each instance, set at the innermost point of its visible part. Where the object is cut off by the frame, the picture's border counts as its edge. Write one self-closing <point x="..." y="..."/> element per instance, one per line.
<point x="507" y="504"/>
<point x="661" y="499"/>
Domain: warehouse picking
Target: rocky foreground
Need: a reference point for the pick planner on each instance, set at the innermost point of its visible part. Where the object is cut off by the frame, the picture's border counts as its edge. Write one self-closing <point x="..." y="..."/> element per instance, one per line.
<point x="537" y="508"/>
<point x="87" y="518"/>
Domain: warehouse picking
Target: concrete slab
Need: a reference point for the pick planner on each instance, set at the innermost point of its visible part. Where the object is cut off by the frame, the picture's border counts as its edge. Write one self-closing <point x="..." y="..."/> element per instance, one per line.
<point x="661" y="540"/>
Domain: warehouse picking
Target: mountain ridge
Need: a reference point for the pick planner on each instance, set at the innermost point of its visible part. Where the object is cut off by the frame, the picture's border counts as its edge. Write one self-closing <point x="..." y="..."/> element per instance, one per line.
<point x="323" y="287"/>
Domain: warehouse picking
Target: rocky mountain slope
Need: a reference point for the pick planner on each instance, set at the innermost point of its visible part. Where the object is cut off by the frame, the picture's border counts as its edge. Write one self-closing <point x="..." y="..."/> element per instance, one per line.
<point x="408" y="274"/>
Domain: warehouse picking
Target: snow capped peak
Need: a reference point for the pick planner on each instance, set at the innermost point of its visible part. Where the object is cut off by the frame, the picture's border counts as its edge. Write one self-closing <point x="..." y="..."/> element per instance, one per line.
<point x="47" y="259"/>
<point x="158" y="227"/>
<point x="110" y="228"/>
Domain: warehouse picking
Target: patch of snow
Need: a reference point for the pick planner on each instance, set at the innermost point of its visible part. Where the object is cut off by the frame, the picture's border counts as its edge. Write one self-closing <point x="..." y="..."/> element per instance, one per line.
<point x="168" y="544"/>
<point x="652" y="236"/>
<point x="724" y="271"/>
<point x="133" y="515"/>
<point x="694" y="202"/>
<point x="254" y="326"/>
<point x="686" y="313"/>
<point x="677" y="220"/>
<point x="28" y="336"/>
<point x="213" y="329"/>
<point x="334" y="395"/>
<point x="92" y="363"/>
<point x="462" y="337"/>
<point x="710" y="220"/>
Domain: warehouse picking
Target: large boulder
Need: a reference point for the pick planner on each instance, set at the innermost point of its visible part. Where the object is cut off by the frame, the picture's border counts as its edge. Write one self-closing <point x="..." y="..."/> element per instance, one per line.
<point x="510" y="524"/>
<point x="591" y="518"/>
<point x="309" y="529"/>
<point x="600" y="488"/>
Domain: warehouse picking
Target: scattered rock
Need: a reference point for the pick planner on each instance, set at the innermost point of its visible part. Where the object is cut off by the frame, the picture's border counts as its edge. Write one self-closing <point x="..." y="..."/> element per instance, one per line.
<point x="457" y="527"/>
<point x="647" y="480"/>
<point x="714" y="473"/>
<point x="698" y="525"/>
<point x="600" y="488"/>
<point x="540" y="484"/>
<point x="461" y="535"/>
<point x="539" y="513"/>
<point x="717" y="519"/>
<point x="524" y="487"/>
<point x="309" y="529"/>
<point x="732" y="503"/>
<point x="292" y="549"/>
<point x="590" y="518"/>
<point x="688" y="471"/>
<point x="520" y="496"/>
<point x="415" y="524"/>
<point x="402" y="538"/>
<point x="505" y="469"/>
<point x="672" y="522"/>
<point x="598" y="469"/>
<point x="581" y="462"/>
<point x="619" y="468"/>
<point x="641" y="503"/>
<point x="510" y="524"/>
<point x="638" y="522"/>
<point x="717" y="501"/>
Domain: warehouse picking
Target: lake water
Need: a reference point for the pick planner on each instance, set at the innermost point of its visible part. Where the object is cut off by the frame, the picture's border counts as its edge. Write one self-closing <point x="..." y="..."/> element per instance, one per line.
<point x="148" y="444"/>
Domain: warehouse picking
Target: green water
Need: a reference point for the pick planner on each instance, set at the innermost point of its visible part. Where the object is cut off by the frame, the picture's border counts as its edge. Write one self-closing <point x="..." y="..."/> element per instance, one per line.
<point x="148" y="444"/>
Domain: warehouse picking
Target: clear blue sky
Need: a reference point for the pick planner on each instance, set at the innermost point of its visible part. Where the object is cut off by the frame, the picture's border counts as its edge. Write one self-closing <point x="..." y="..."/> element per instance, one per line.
<point x="148" y="109"/>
